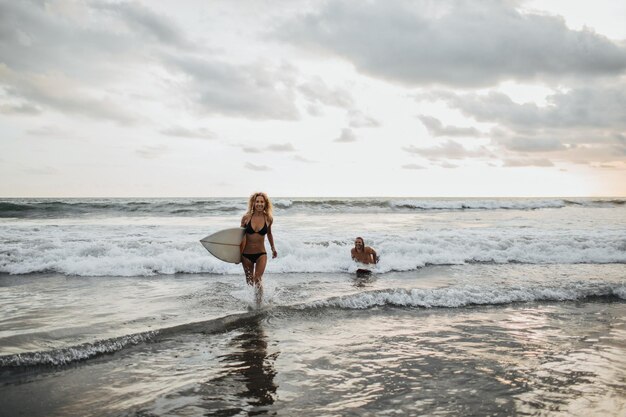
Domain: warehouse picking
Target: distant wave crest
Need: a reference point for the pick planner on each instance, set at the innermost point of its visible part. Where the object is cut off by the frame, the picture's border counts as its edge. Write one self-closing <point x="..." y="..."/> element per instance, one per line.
<point x="63" y="208"/>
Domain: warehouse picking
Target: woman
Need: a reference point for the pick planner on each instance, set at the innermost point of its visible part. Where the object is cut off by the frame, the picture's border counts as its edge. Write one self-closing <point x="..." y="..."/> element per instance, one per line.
<point x="258" y="224"/>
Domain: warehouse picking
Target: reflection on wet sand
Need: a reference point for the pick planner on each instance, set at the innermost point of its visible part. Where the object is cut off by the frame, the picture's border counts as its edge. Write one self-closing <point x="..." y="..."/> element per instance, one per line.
<point x="246" y="381"/>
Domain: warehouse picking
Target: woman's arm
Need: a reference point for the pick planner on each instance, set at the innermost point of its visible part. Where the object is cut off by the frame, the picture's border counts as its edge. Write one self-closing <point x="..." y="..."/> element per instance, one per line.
<point x="242" y="245"/>
<point x="270" y="238"/>
<point x="244" y="220"/>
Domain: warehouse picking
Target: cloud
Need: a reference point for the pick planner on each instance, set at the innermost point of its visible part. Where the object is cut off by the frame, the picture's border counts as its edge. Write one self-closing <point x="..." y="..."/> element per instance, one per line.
<point x="303" y="159"/>
<point x="27" y="109"/>
<point x="85" y="40"/>
<point x="51" y="131"/>
<point x="200" y="133"/>
<point x="584" y="124"/>
<point x="436" y="128"/>
<point x="358" y="119"/>
<point x="65" y="55"/>
<point x="217" y="87"/>
<point x="518" y="143"/>
<point x="144" y="22"/>
<point x="448" y="165"/>
<point x="448" y="150"/>
<point x="259" y="168"/>
<point x="282" y="147"/>
<point x="600" y="105"/>
<point x="277" y="147"/>
<point x="100" y="52"/>
<point x="251" y="149"/>
<point x="60" y="93"/>
<point x="456" y="43"/>
<point x="541" y="162"/>
<point x="347" y="136"/>
<point x="318" y="92"/>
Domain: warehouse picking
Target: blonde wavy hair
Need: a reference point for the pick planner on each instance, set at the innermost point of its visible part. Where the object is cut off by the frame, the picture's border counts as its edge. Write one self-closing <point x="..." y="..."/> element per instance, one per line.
<point x="269" y="211"/>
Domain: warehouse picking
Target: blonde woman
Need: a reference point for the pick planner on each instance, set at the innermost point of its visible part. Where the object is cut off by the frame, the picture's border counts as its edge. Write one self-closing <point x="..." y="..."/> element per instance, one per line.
<point x="258" y="224"/>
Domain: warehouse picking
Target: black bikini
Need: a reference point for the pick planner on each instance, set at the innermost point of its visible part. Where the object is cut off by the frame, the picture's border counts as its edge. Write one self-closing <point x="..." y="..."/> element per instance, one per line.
<point x="253" y="257"/>
<point x="251" y="231"/>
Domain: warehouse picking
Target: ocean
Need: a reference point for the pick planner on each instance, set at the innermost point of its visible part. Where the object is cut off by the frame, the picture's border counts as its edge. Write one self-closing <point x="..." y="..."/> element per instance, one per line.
<point x="503" y="307"/>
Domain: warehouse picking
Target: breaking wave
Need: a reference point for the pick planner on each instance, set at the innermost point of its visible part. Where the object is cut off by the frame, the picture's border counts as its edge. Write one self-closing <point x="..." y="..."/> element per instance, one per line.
<point x="449" y="297"/>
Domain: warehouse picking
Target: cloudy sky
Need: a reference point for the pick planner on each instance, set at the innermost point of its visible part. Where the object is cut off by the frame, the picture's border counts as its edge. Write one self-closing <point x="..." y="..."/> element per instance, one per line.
<point x="312" y="98"/>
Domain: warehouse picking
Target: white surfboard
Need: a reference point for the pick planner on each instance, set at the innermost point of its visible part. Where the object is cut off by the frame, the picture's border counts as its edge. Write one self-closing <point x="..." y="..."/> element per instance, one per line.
<point x="224" y="244"/>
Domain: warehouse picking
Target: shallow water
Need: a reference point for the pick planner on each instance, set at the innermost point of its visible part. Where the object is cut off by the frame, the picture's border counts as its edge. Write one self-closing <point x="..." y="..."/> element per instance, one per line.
<point x="478" y="307"/>
<point x="539" y="358"/>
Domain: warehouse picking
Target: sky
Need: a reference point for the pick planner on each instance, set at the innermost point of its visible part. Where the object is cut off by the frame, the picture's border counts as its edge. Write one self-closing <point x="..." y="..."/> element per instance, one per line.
<point x="438" y="98"/>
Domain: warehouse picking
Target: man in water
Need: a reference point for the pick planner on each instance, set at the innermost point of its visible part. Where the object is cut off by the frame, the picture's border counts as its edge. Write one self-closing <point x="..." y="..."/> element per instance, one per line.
<point x="363" y="254"/>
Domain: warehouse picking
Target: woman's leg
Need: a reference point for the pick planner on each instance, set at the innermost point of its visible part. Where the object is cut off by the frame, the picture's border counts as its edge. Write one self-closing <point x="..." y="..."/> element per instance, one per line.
<point x="259" y="269"/>
<point x="248" y="269"/>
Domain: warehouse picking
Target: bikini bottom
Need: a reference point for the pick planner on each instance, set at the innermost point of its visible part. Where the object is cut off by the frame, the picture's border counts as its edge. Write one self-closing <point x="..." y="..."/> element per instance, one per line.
<point x="253" y="257"/>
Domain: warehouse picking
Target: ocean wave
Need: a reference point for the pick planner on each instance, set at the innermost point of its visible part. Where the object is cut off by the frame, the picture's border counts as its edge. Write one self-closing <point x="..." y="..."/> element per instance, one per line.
<point x="449" y="297"/>
<point x="71" y="354"/>
<point x="469" y="295"/>
<point x="64" y="208"/>
<point x="156" y="251"/>
<point x="50" y="209"/>
<point x="86" y="351"/>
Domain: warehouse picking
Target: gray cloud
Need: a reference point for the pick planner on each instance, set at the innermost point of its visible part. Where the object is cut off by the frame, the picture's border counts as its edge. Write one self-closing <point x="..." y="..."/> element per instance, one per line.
<point x="448" y="150"/>
<point x="179" y="131"/>
<point x="282" y="147"/>
<point x="358" y="119"/>
<point x="251" y="149"/>
<point x="62" y="94"/>
<point x="277" y="147"/>
<point x="347" y="136"/>
<point x="458" y="43"/>
<point x="85" y="40"/>
<point x="303" y="159"/>
<point x="318" y="92"/>
<point x="601" y="105"/>
<point x="540" y="162"/>
<point x="92" y="49"/>
<point x="21" y="109"/>
<point x="259" y="168"/>
<point x="52" y="132"/>
<point x="436" y="128"/>
<point x="528" y="142"/>
<point x="64" y="55"/>
<point x="140" y="19"/>
<point x="446" y="164"/>
<point x="253" y="91"/>
<point x="582" y="125"/>
<point x="315" y="110"/>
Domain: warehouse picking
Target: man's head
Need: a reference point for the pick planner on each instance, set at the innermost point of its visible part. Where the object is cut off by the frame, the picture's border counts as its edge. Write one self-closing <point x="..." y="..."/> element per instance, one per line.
<point x="358" y="243"/>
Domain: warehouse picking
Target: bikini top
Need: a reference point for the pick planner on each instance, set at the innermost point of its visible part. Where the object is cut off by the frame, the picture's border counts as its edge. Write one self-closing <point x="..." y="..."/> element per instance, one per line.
<point x="251" y="231"/>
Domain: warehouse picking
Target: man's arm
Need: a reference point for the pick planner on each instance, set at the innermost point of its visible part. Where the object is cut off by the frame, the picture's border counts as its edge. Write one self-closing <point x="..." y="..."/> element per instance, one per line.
<point x="373" y="255"/>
